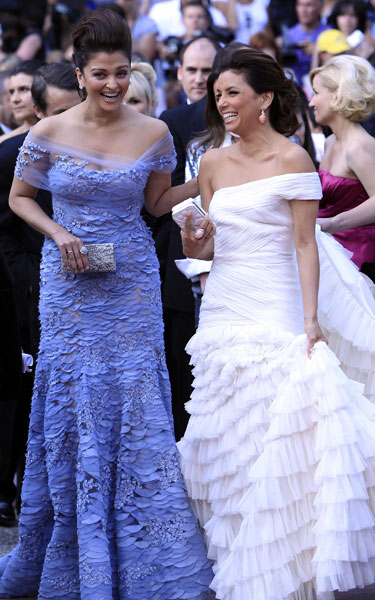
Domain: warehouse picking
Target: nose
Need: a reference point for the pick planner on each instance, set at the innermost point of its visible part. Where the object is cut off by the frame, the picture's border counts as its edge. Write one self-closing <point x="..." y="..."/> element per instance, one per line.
<point x="199" y="77"/>
<point x="15" y="97"/>
<point x="111" y="82"/>
<point x="220" y="102"/>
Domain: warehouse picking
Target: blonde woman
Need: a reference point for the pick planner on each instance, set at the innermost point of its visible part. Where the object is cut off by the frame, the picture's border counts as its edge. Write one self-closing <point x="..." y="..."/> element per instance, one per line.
<point x="142" y="94"/>
<point x="344" y="95"/>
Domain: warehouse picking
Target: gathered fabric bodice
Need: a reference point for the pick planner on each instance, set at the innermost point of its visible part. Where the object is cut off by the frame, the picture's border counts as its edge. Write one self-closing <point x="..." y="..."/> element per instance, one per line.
<point x="254" y="274"/>
<point x="339" y="195"/>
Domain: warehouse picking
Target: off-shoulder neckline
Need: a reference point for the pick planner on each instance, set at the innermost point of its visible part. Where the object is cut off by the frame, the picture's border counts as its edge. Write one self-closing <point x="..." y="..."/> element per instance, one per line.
<point x="338" y="176"/>
<point x="59" y="147"/>
<point x="267" y="179"/>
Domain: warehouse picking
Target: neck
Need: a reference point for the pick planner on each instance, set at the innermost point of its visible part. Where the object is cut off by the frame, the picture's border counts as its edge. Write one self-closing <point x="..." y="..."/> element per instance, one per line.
<point x="95" y="117"/>
<point x="309" y="27"/>
<point x="343" y="128"/>
<point x="257" y="139"/>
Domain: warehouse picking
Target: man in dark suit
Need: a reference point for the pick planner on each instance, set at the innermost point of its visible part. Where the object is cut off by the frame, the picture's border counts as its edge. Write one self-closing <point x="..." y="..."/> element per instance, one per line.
<point x="184" y="122"/>
<point x="54" y="90"/>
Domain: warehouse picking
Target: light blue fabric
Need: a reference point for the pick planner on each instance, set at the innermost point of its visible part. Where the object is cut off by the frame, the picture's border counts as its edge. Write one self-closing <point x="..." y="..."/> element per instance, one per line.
<point x="105" y="513"/>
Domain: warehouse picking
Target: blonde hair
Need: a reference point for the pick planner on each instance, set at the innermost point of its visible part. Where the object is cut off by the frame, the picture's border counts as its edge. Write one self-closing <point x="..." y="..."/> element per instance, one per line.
<point x="353" y="78"/>
<point x="143" y="78"/>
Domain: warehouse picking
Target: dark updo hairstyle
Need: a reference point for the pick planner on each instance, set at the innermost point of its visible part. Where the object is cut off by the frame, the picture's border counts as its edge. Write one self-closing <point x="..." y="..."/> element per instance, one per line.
<point x="100" y="31"/>
<point x="263" y="74"/>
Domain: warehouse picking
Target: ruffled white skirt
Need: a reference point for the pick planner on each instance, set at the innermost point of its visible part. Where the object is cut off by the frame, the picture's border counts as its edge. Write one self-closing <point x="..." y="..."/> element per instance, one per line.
<point x="279" y="453"/>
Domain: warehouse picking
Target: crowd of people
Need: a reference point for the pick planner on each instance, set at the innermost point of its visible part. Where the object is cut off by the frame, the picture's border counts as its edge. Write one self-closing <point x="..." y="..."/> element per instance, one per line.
<point x="248" y="341"/>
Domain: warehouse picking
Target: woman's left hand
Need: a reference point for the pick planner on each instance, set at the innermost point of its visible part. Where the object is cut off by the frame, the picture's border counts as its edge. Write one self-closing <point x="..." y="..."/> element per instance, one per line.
<point x="328" y="224"/>
<point x="314" y="334"/>
<point x="193" y="242"/>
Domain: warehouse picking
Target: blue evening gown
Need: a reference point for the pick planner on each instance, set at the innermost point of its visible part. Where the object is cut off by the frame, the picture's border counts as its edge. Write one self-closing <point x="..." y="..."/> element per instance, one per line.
<point x="105" y="514"/>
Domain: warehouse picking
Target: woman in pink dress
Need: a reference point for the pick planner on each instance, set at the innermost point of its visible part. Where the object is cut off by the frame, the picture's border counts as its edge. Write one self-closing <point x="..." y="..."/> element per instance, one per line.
<point x="344" y="95"/>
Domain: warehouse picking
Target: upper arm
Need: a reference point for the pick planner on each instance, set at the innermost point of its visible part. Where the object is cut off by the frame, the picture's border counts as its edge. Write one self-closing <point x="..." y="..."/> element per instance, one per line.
<point x="361" y="162"/>
<point x="29" y="46"/>
<point x="205" y="179"/>
<point x="304" y="211"/>
<point x="304" y="220"/>
<point x="21" y="189"/>
<point x="157" y="184"/>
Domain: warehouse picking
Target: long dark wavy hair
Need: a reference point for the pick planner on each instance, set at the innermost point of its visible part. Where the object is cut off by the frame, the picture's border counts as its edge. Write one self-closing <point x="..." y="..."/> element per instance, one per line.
<point x="263" y="74"/>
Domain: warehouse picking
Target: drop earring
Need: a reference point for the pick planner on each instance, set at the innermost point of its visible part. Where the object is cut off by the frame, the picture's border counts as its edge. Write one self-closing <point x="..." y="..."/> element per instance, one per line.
<point x="262" y="117"/>
<point x="80" y="86"/>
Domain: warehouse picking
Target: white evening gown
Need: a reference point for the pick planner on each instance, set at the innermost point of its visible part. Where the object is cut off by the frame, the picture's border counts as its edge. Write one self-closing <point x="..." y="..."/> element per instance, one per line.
<point x="278" y="456"/>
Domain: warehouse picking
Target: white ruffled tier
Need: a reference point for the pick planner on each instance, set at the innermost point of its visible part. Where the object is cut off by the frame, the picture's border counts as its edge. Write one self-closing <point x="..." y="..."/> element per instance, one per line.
<point x="278" y="459"/>
<point x="347" y="312"/>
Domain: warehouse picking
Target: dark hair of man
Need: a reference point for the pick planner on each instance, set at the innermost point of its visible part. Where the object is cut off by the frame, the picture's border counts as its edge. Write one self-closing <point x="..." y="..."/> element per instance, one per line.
<point x="340" y="9"/>
<point x="200" y="5"/>
<point x="215" y="45"/>
<point x="113" y="6"/>
<point x="29" y="67"/>
<point x="59" y="75"/>
<point x="263" y="74"/>
<point x="100" y="31"/>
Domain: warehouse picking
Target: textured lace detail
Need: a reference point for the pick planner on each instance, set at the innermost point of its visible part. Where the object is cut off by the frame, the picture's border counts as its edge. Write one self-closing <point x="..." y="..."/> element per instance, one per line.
<point x="101" y="449"/>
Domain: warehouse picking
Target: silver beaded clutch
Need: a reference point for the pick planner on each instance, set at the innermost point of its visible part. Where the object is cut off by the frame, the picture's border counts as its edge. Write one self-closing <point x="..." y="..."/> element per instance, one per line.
<point x="101" y="258"/>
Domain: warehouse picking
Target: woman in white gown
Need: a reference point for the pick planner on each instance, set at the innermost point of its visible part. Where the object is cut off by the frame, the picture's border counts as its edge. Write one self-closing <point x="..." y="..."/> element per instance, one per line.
<point x="278" y="456"/>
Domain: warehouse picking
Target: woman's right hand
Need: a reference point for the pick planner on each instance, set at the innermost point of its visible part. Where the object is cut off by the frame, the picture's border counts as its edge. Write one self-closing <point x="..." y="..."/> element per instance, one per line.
<point x="70" y="246"/>
<point x="194" y="242"/>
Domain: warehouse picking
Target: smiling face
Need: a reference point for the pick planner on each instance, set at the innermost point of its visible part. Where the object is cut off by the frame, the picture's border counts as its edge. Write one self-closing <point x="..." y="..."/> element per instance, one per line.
<point x="20" y="97"/>
<point x="322" y="101"/>
<point x="237" y="102"/>
<point x="106" y="79"/>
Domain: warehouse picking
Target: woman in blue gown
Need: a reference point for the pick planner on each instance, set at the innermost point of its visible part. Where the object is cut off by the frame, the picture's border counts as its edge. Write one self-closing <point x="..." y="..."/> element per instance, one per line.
<point x="104" y="514"/>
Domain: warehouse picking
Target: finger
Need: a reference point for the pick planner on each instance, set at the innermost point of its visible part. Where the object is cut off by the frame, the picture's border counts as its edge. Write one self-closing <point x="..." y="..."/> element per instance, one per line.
<point x="200" y="233"/>
<point x="187" y="227"/>
<point x="84" y="256"/>
<point x="66" y="254"/>
<point x="79" y="257"/>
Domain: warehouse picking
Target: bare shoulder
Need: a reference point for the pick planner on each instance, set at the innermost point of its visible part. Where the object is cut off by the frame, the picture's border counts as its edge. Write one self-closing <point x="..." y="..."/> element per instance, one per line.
<point x="210" y="160"/>
<point x="52" y="126"/>
<point x="146" y="126"/>
<point x="361" y="146"/>
<point x="295" y="159"/>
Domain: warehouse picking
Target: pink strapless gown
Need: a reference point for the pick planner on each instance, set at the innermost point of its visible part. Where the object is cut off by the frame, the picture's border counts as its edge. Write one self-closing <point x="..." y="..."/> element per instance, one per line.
<point x="341" y="194"/>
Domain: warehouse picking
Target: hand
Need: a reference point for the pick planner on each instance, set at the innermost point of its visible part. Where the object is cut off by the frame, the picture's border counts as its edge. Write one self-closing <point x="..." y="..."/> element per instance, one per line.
<point x="329" y="224"/>
<point x="314" y="334"/>
<point x="69" y="246"/>
<point x="194" y="242"/>
<point x="307" y="47"/>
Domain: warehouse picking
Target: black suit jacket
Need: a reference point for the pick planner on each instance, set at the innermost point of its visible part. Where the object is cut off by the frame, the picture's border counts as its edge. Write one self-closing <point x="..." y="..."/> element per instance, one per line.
<point x="369" y="125"/>
<point x="22" y="246"/>
<point x="184" y="122"/>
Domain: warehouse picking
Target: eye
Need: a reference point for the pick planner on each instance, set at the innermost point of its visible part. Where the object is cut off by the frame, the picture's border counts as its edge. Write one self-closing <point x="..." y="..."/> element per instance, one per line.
<point x="122" y="73"/>
<point x="98" y="74"/>
<point x="133" y="101"/>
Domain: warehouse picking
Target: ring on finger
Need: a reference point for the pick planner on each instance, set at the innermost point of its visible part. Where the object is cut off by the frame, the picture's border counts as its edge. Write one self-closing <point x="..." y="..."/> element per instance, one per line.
<point x="70" y="252"/>
<point x="83" y="250"/>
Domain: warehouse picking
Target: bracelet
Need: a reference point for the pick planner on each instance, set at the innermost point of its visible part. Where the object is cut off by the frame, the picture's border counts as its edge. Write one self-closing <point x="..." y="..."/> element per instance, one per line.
<point x="198" y="184"/>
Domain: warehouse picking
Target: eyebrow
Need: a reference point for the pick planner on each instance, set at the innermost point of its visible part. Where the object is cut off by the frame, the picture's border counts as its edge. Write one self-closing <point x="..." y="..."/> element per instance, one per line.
<point x="230" y="87"/>
<point x="104" y="69"/>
